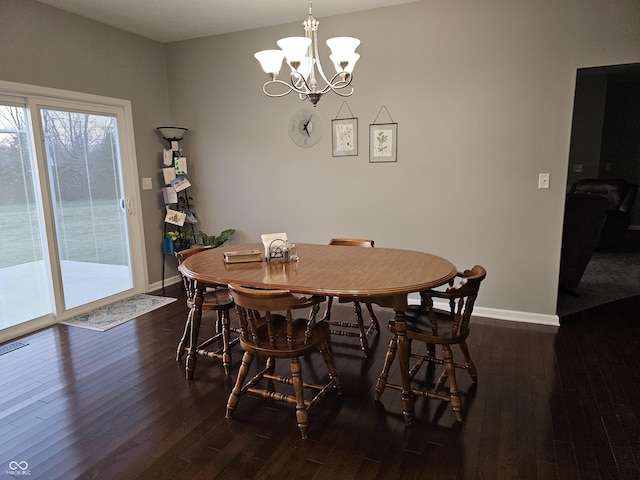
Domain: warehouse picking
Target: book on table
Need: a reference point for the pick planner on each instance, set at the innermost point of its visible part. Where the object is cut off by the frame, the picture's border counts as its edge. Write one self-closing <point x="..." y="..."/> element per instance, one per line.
<point x="242" y="256"/>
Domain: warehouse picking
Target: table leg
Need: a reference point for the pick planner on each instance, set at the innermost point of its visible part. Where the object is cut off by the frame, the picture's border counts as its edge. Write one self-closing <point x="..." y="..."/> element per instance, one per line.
<point x="403" y="359"/>
<point x="196" y="316"/>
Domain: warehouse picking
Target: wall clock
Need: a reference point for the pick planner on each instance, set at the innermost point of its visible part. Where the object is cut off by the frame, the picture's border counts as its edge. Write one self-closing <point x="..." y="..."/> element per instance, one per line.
<point x="305" y="127"/>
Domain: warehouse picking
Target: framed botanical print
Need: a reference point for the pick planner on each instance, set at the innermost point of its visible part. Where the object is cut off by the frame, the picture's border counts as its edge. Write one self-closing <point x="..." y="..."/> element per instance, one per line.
<point x="344" y="135"/>
<point x="383" y="142"/>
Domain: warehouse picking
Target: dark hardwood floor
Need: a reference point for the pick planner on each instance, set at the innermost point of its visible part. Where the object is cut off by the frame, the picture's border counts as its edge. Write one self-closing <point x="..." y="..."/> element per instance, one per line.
<point x="551" y="403"/>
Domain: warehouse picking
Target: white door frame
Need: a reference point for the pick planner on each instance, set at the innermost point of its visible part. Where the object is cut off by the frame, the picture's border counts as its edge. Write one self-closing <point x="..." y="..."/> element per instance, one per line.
<point x="37" y="97"/>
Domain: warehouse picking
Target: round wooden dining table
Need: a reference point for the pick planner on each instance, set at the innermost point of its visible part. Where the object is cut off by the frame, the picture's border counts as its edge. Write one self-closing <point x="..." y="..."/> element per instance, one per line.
<point x="384" y="276"/>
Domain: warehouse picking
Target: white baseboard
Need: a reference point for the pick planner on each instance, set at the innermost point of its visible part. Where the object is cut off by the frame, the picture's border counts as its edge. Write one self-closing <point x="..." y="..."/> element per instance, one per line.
<point x="167" y="282"/>
<point x="498" y="314"/>
<point x="514" y="316"/>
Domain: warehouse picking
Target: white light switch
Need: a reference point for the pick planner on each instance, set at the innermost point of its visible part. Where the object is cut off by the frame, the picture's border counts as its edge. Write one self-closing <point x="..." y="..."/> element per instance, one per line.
<point x="543" y="180"/>
<point x="146" y="183"/>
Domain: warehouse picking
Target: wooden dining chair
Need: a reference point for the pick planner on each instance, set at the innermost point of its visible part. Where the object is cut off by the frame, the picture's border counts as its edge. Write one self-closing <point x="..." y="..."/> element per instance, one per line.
<point x="363" y="331"/>
<point x="218" y="300"/>
<point x="268" y="329"/>
<point x="433" y="326"/>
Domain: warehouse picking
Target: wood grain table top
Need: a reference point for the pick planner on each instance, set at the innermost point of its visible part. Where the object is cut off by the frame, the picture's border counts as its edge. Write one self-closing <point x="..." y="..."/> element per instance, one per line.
<point x="341" y="271"/>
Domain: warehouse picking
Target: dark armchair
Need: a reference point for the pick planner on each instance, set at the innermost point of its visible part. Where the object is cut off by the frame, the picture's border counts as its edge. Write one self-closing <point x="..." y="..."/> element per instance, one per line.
<point x="620" y="195"/>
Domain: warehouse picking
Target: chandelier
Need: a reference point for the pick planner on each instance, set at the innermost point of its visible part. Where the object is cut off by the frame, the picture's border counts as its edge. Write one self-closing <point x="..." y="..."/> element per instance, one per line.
<point x="302" y="57"/>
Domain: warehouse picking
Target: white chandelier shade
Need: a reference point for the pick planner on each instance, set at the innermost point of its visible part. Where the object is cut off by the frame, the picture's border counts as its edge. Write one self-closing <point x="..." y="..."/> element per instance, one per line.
<point x="270" y="61"/>
<point x="294" y="48"/>
<point x="301" y="54"/>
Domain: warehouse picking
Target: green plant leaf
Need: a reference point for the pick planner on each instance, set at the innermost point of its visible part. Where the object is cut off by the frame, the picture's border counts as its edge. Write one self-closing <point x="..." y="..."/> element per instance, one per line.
<point x="214" y="241"/>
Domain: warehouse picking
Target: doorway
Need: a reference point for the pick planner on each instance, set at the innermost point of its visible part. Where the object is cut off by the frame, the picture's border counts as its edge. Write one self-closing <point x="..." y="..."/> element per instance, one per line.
<point x="67" y="210"/>
<point x="605" y="145"/>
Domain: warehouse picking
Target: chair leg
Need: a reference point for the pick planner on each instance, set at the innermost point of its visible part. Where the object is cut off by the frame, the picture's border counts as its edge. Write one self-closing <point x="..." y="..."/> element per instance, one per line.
<point x="181" y="344"/>
<point x="195" y="317"/>
<point x="270" y="365"/>
<point x="218" y="323"/>
<point x="362" y="331"/>
<point x="327" y="312"/>
<point x="224" y="320"/>
<point x="388" y="360"/>
<point x="468" y="363"/>
<point x="333" y="374"/>
<point x="237" y="392"/>
<point x="301" y="409"/>
<point x="374" y="319"/>
<point x="450" y="370"/>
<point x="364" y="343"/>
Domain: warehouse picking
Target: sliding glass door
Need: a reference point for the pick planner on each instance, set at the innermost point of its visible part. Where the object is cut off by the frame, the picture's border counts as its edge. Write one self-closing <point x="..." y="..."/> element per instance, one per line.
<point x="71" y="237"/>
<point x="25" y="289"/>
<point x="89" y="205"/>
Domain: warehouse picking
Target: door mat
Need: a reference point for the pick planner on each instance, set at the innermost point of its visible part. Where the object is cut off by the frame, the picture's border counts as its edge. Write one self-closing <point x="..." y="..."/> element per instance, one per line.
<point x="10" y="347"/>
<point x="118" y="313"/>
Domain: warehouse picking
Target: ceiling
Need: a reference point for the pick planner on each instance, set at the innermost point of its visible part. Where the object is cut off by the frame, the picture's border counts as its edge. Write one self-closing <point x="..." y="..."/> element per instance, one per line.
<point x="169" y="21"/>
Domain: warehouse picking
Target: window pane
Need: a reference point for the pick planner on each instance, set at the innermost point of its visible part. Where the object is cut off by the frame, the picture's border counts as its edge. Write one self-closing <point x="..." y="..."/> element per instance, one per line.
<point x="90" y="216"/>
<point x="24" y="285"/>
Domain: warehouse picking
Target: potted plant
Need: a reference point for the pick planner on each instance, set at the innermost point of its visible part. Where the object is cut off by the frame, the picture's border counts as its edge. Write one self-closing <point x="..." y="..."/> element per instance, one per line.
<point x="215" y="241"/>
<point x="179" y="239"/>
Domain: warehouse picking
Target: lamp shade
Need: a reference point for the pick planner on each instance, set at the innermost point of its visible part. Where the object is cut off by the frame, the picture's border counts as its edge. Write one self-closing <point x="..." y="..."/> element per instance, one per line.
<point x="172" y="134"/>
<point x="294" y="48"/>
<point x="270" y="60"/>
<point x="350" y="61"/>
<point x="342" y="46"/>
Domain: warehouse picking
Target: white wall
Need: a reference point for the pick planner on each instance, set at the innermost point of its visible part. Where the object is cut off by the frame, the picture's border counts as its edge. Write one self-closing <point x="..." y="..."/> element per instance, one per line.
<point x="483" y="97"/>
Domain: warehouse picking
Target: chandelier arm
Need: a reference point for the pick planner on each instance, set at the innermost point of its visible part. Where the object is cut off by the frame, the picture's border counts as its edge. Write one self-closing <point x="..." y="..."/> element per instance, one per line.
<point x="281" y="82"/>
<point x="342" y="80"/>
<point x="299" y="83"/>
<point x="343" y="94"/>
<point x="301" y="86"/>
<point x="327" y="88"/>
<point x="291" y="87"/>
<point x="335" y="87"/>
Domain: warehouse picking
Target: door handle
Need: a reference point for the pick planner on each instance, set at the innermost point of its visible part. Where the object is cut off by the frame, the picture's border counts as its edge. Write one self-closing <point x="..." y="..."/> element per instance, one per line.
<point x="125" y="205"/>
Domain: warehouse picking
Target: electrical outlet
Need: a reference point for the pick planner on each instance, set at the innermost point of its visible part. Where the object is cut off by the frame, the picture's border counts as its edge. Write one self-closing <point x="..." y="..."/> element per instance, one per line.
<point x="146" y="183"/>
<point x="543" y="180"/>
